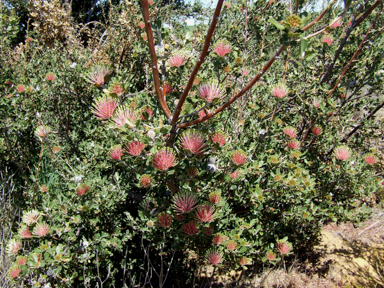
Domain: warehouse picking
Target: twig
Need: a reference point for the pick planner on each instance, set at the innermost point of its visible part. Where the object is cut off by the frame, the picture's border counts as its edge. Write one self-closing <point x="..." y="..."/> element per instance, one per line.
<point x="319" y="17"/>
<point x="377" y="222"/>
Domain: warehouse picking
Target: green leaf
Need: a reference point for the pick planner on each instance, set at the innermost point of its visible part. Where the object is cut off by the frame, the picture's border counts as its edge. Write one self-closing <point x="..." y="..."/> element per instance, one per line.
<point x="277" y="24"/>
<point x="303" y="45"/>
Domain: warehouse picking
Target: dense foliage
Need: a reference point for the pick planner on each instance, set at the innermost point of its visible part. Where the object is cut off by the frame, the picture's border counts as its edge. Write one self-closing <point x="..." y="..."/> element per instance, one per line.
<point x="271" y="141"/>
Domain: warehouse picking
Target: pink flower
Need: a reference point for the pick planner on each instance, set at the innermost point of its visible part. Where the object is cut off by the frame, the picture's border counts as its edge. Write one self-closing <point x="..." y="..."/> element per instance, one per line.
<point x="316" y="130"/>
<point x="192" y="172"/>
<point x="144" y="36"/>
<point x="245" y="72"/>
<point x="336" y="24"/>
<point x="145" y="180"/>
<point x="184" y="202"/>
<point x="142" y="25"/>
<point x="117" y="88"/>
<point x="124" y="115"/>
<point x="214" y="197"/>
<point x="14" y="272"/>
<point x="243" y="261"/>
<point x="284" y="247"/>
<point x="270" y="255"/>
<point x="290" y="131"/>
<point x="50" y="77"/>
<point x="97" y="74"/>
<point x="104" y="107"/>
<point x="24" y="232"/>
<point x="221" y="48"/>
<point x="13" y="246"/>
<point x="214" y="257"/>
<point x="235" y="174"/>
<point x="190" y="228"/>
<point x="177" y="60"/>
<point x="218" y="137"/>
<point x="165" y="220"/>
<point x="210" y="91"/>
<point x="239" y="157"/>
<point x="293" y="144"/>
<point x="41" y="229"/>
<point x="217" y="239"/>
<point x="231" y="245"/>
<point x="349" y="23"/>
<point x="370" y="159"/>
<point x="134" y="148"/>
<point x="82" y="189"/>
<point x="167" y="88"/>
<point x="42" y="131"/>
<point x="227" y="4"/>
<point x="279" y="91"/>
<point x="116" y="153"/>
<point x="21" y="260"/>
<point x="202" y="113"/>
<point x="327" y="39"/>
<point x="150" y="2"/>
<point x="164" y="159"/>
<point x="342" y="153"/>
<point x="342" y="96"/>
<point x="316" y="103"/>
<point x="192" y="141"/>
<point x="205" y="213"/>
<point x="20" y="88"/>
<point x="146" y="113"/>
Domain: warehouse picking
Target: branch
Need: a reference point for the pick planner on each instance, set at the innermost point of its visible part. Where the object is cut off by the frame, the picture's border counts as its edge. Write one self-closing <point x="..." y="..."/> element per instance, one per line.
<point x="152" y="51"/>
<point x="319" y="17"/>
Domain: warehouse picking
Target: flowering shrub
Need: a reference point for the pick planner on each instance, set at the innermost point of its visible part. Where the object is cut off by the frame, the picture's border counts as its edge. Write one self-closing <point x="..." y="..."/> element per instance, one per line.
<point x="135" y="161"/>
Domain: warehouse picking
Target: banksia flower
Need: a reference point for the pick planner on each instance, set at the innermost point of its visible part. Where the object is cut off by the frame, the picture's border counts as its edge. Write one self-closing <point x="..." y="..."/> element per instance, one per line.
<point x="41" y="229"/>
<point x="21" y="260"/>
<point x="279" y="91"/>
<point x="245" y="72"/>
<point x="164" y="159"/>
<point x="146" y="113"/>
<point x="205" y="213"/>
<point x="284" y="247"/>
<point x="210" y="91"/>
<point x="167" y="88"/>
<point x="231" y="245"/>
<point x="214" y="197"/>
<point x="221" y="48"/>
<point x="116" y="153"/>
<point x="192" y="172"/>
<point x="165" y="220"/>
<point x="293" y="144"/>
<point x="97" y="74"/>
<point x="124" y="115"/>
<point x="327" y="39"/>
<point x="239" y="157"/>
<point x="24" y="232"/>
<point x="150" y="2"/>
<point x="227" y="4"/>
<point x="336" y="24"/>
<point x="177" y="59"/>
<point x="235" y="174"/>
<point x="50" y="77"/>
<point x="202" y="113"/>
<point x="370" y="159"/>
<point x="56" y="149"/>
<point x="20" y="88"/>
<point x="104" y="107"/>
<point x="316" y="130"/>
<point x="192" y="141"/>
<point x="293" y="21"/>
<point x="144" y="36"/>
<point x="142" y="25"/>
<point x="117" y="88"/>
<point x="42" y="131"/>
<point x="190" y="228"/>
<point x="218" y="239"/>
<point x="316" y="103"/>
<point x="82" y="189"/>
<point x="342" y="153"/>
<point x="145" y="180"/>
<point x="31" y="217"/>
<point x="270" y="255"/>
<point x="218" y="137"/>
<point x="14" y="272"/>
<point x="214" y="257"/>
<point x="243" y="261"/>
<point x="290" y="131"/>
<point x="184" y="202"/>
<point x="13" y="246"/>
<point x="134" y="148"/>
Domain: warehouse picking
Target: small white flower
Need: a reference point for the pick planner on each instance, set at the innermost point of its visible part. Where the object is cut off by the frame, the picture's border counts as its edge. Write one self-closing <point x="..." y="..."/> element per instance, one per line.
<point x="151" y="134"/>
<point x="73" y="65"/>
<point x="77" y="178"/>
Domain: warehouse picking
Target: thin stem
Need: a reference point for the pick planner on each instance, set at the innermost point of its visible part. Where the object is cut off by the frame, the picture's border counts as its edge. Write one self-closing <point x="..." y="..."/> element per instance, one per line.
<point x="318" y="18"/>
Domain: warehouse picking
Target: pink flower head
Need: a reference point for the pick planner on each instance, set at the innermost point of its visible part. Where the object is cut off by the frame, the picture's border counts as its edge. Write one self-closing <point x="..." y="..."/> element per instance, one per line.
<point x="221" y="48"/>
<point x="316" y="130"/>
<point x="192" y="141"/>
<point x="214" y="197"/>
<point x="245" y="72"/>
<point x="342" y="153"/>
<point x="349" y="23"/>
<point x="239" y="157"/>
<point x="192" y="172"/>
<point x="21" y="260"/>
<point x="116" y="88"/>
<point x="144" y="36"/>
<point x="208" y="230"/>
<point x="20" y="88"/>
<point x="124" y="116"/>
<point x="327" y="39"/>
<point x="218" y="137"/>
<point x="270" y="255"/>
<point x="205" y="213"/>
<point x="142" y="25"/>
<point x="231" y="245"/>
<point x="284" y="247"/>
<point x="167" y="88"/>
<point x="279" y="91"/>
<point x="164" y="159"/>
<point x="290" y="131"/>
<point x="235" y="174"/>
<point x="316" y="103"/>
<point x="243" y="261"/>
<point x="336" y="24"/>
<point x="41" y="229"/>
<point x="42" y="131"/>
<point x="13" y="246"/>
<point x="134" y="148"/>
<point x="82" y="189"/>
<point x="370" y="159"/>
<point x="342" y="96"/>
<point x="190" y="228"/>
<point x="165" y="220"/>
<point x="150" y="2"/>
<point x="214" y="257"/>
<point x="31" y="217"/>
<point x="145" y="180"/>
<point x="24" y="232"/>
<point x="184" y="202"/>
<point x="293" y="144"/>
<point x="97" y="74"/>
<point x="14" y="272"/>
<point x="9" y="82"/>
<point x="217" y="239"/>
<point x="146" y="113"/>
<point x="210" y="91"/>
<point x="104" y="107"/>
<point x="116" y="153"/>
<point x="227" y="4"/>
<point x="202" y="113"/>
<point x="50" y="77"/>
<point x="177" y="59"/>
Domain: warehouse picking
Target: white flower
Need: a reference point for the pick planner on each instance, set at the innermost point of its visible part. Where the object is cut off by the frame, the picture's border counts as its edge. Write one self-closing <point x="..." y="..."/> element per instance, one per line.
<point x="73" y="65"/>
<point x="151" y="134"/>
<point x="77" y="178"/>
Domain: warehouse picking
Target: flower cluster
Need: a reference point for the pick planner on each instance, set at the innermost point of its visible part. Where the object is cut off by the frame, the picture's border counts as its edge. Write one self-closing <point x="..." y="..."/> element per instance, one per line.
<point x="222" y="48"/>
<point x="104" y="107"/>
<point x="164" y="159"/>
<point x="210" y="91"/>
<point x="134" y="148"/>
<point x="184" y="202"/>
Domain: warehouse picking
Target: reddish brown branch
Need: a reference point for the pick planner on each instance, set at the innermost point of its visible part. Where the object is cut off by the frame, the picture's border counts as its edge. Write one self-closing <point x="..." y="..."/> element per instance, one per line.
<point x="152" y="51"/>
<point x="241" y="93"/>
<point x="319" y="17"/>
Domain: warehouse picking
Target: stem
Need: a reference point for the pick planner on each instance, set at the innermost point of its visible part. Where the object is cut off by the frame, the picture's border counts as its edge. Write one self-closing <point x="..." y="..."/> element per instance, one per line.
<point x="319" y="17"/>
